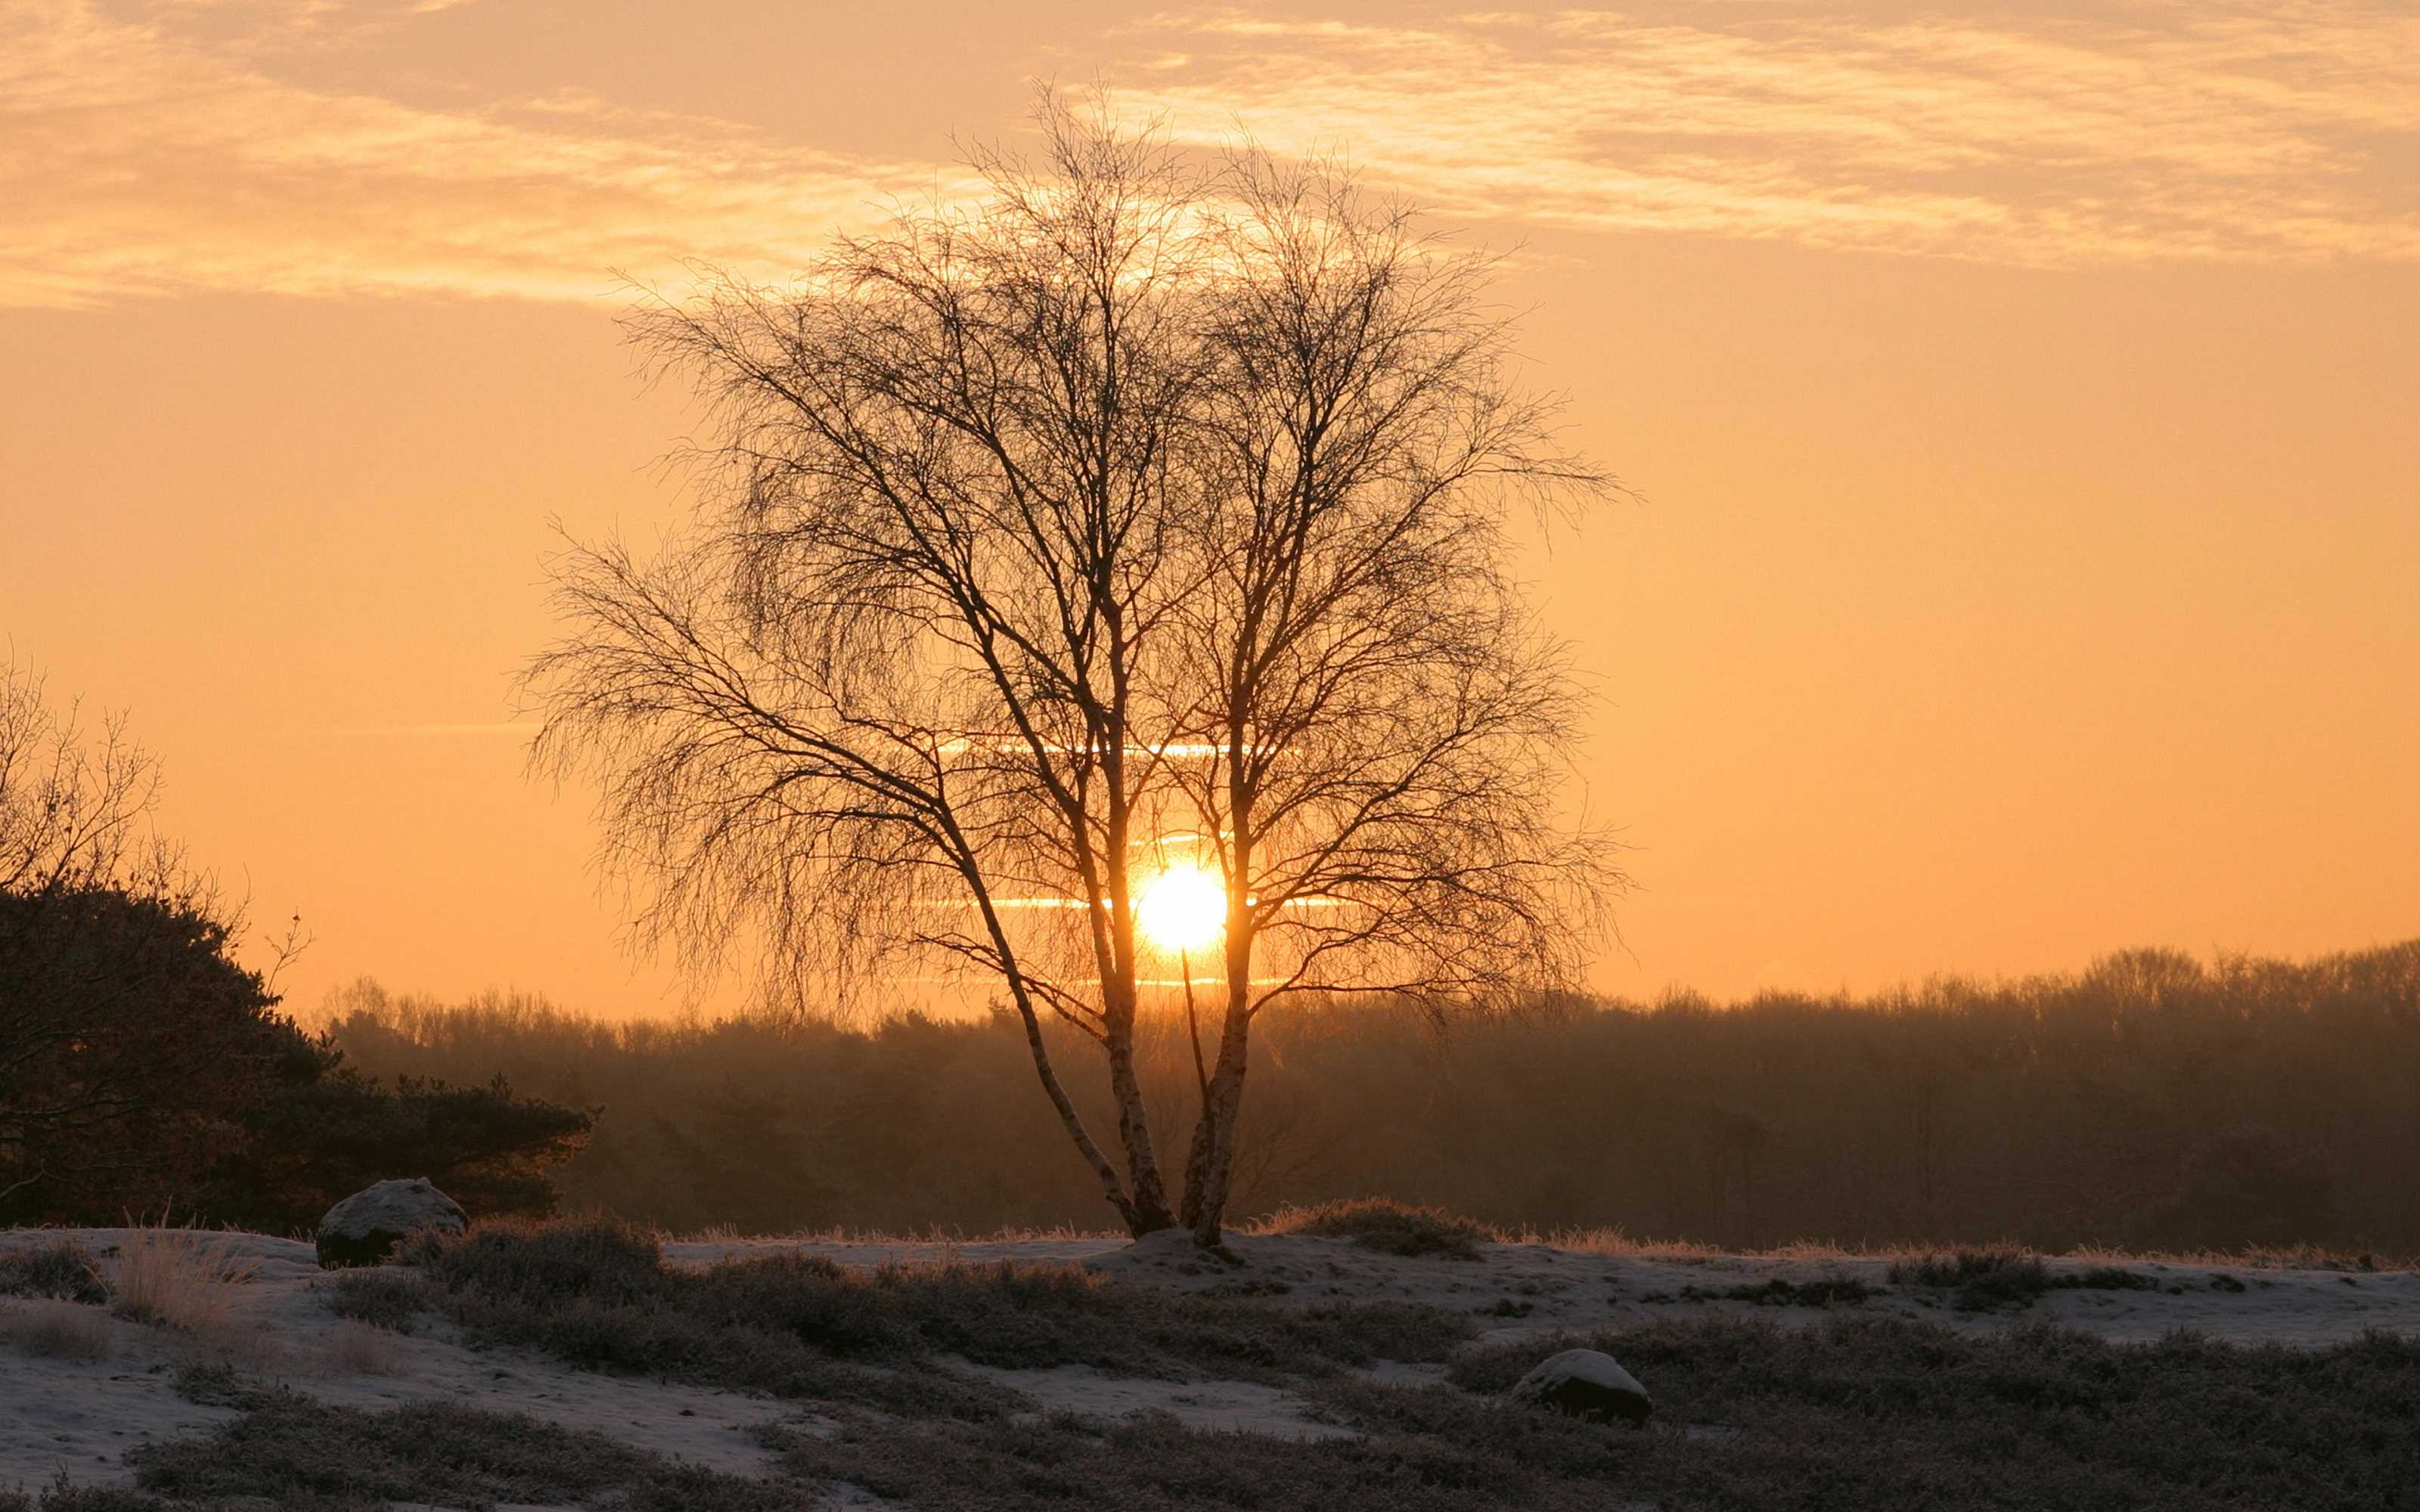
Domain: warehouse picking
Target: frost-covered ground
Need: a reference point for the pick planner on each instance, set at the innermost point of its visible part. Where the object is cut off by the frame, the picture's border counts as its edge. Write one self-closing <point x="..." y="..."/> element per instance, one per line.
<point x="82" y="1415"/>
<point x="61" y="1411"/>
<point x="1521" y="1288"/>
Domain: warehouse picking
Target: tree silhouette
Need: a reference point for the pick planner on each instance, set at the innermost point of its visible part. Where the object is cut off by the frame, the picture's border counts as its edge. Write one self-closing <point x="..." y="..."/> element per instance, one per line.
<point x="142" y="1064"/>
<point x="1146" y="520"/>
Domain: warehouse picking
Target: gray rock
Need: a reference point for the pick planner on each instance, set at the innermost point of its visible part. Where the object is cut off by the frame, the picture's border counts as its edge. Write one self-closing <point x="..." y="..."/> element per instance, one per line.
<point x="1588" y="1384"/>
<point x="365" y="1229"/>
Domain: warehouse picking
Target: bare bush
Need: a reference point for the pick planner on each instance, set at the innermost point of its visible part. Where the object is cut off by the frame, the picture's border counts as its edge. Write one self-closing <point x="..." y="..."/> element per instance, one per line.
<point x="60" y="1269"/>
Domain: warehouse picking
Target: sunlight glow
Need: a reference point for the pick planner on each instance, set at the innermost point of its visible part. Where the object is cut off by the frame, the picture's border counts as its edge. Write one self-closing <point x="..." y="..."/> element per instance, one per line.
<point x="1182" y="908"/>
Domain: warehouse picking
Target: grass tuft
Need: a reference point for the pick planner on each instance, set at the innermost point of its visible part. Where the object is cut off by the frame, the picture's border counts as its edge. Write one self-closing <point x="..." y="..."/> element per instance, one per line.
<point x="179" y="1278"/>
<point x="2112" y="1278"/>
<point x="358" y="1348"/>
<point x="1383" y="1224"/>
<point x="56" y="1330"/>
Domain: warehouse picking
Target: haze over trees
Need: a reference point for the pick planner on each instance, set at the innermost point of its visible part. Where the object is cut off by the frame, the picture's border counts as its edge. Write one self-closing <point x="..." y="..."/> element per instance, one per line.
<point x="1101" y="593"/>
<point x="2149" y="1101"/>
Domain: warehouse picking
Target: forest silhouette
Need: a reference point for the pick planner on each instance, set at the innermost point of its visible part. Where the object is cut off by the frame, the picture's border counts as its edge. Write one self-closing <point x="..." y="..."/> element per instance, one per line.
<point x="2150" y="1100"/>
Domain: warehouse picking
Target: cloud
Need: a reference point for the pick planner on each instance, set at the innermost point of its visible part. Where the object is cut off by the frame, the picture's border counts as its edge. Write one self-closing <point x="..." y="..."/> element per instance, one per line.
<point x="520" y="729"/>
<point x="171" y="146"/>
<point x="140" y="159"/>
<point x="2281" y="131"/>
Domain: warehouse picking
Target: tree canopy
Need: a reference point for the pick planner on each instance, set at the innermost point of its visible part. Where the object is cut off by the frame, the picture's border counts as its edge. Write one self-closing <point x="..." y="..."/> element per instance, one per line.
<point x="1137" y="533"/>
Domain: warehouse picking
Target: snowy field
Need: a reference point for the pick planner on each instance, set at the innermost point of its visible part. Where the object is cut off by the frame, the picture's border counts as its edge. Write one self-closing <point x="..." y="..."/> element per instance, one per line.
<point x="79" y="1388"/>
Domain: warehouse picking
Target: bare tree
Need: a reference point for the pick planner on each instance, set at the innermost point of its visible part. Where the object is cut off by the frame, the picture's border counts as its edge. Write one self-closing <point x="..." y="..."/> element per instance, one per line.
<point x="1140" y="526"/>
<point x="1384" y="727"/>
<point x="74" y="808"/>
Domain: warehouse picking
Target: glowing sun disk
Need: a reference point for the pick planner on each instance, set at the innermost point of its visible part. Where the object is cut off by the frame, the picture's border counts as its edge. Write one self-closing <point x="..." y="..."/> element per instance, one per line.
<point x="1183" y="908"/>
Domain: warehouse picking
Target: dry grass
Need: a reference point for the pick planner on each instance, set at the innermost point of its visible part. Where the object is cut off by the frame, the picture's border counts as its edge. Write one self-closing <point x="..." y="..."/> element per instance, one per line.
<point x="1619" y="1244"/>
<point x="56" y="1330"/>
<point x="1385" y="1226"/>
<point x="2252" y="1258"/>
<point x="727" y="1234"/>
<point x="600" y="1296"/>
<point x="179" y="1278"/>
<point x="1614" y="1241"/>
<point x="357" y="1348"/>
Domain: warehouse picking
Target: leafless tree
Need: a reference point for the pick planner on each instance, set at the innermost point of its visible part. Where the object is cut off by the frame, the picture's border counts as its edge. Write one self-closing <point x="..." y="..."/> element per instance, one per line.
<point x="1384" y="729"/>
<point x="1143" y="514"/>
<point x="75" y="807"/>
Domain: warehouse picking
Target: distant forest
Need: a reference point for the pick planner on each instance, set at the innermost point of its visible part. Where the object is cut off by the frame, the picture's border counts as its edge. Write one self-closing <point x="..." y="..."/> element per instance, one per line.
<point x="2152" y="1100"/>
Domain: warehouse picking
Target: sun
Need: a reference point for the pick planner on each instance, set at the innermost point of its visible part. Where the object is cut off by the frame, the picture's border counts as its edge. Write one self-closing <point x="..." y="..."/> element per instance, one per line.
<point x="1182" y="908"/>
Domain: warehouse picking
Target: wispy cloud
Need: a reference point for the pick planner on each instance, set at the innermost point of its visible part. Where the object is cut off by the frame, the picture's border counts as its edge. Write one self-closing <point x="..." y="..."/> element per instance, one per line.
<point x="523" y="731"/>
<point x="173" y="144"/>
<point x="138" y="157"/>
<point x="2283" y="130"/>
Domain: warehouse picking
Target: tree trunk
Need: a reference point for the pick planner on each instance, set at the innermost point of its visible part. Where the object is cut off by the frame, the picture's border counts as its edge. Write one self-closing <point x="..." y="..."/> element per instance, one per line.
<point x="1215" y="1137"/>
<point x="1138" y="1222"/>
<point x="1140" y="1219"/>
<point x="1147" y="1191"/>
<point x="1210" y="1165"/>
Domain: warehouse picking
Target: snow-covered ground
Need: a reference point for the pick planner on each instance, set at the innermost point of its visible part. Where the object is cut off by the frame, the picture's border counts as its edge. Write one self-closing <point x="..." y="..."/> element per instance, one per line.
<point x="82" y="1414"/>
<point x="1516" y="1290"/>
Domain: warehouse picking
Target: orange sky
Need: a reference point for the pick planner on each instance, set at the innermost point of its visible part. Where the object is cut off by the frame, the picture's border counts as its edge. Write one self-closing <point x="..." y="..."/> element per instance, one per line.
<point x="2024" y="411"/>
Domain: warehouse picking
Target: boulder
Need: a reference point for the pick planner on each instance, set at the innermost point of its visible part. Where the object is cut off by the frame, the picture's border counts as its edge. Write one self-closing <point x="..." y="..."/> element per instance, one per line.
<point x="365" y="1229"/>
<point x="1588" y="1384"/>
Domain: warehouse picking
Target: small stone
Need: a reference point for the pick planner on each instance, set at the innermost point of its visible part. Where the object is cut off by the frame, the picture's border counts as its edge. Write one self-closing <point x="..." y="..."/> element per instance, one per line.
<point x="1587" y="1384"/>
<point x="365" y="1229"/>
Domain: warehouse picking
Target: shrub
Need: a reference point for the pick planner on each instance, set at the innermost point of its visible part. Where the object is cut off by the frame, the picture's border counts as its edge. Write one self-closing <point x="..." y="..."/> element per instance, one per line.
<point x="1385" y="1226"/>
<point x="64" y="1495"/>
<point x="1986" y="1279"/>
<point x="1830" y="1291"/>
<point x="218" y="1383"/>
<point x="1862" y="1410"/>
<point x="382" y="1297"/>
<point x="290" y="1447"/>
<point x="597" y="1259"/>
<point x="2109" y="1279"/>
<point x="598" y="1295"/>
<point x="62" y="1269"/>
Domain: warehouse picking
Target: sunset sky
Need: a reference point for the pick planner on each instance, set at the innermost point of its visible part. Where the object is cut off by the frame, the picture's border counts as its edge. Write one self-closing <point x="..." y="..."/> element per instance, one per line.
<point x="2022" y="405"/>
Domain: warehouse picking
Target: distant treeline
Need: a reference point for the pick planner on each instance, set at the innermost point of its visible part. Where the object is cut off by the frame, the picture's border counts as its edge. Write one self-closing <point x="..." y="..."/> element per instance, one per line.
<point x="2152" y="1100"/>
